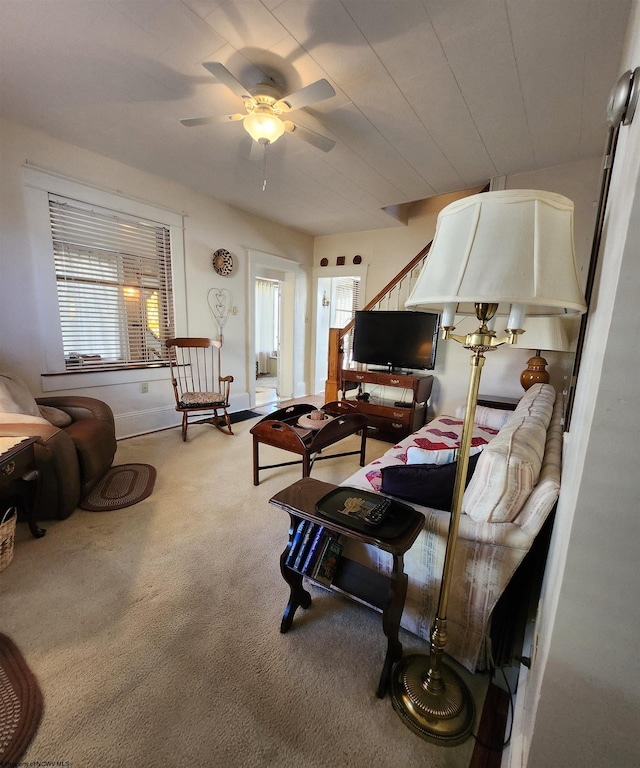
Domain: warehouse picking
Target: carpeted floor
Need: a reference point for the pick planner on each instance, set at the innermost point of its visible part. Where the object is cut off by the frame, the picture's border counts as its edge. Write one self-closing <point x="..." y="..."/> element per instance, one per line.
<point x="154" y="630"/>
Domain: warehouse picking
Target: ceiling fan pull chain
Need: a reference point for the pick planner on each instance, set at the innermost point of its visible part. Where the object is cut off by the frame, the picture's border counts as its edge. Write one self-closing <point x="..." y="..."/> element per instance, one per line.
<point x="264" y="167"/>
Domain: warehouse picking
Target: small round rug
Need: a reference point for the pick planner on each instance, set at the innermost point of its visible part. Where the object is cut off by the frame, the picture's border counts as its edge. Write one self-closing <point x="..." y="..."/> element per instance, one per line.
<point x="121" y="487"/>
<point x="20" y="703"/>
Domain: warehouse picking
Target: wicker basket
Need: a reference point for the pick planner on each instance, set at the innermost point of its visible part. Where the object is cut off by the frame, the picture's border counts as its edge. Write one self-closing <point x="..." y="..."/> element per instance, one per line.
<point x="7" y="533"/>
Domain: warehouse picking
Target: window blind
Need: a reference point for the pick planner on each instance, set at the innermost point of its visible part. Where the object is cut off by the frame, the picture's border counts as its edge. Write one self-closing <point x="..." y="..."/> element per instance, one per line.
<point x="113" y="277"/>
<point x="346" y="300"/>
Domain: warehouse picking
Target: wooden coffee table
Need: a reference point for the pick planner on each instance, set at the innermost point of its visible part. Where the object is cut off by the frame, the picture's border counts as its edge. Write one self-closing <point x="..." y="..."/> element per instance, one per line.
<point x="281" y="430"/>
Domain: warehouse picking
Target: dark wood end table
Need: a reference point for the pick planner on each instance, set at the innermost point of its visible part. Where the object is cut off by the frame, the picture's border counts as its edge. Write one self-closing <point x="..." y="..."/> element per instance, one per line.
<point x="380" y="591"/>
<point x="18" y="473"/>
<point x="281" y="430"/>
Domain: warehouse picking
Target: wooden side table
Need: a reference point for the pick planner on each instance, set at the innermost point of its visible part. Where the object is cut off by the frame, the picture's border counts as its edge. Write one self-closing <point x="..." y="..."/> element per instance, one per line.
<point x="385" y="593"/>
<point x="18" y="474"/>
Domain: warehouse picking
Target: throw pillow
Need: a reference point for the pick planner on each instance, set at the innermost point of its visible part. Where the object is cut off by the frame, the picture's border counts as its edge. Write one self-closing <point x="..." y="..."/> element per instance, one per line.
<point x="429" y="485"/>
<point x="417" y="455"/>
<point x="55" y="416"/>
<point x="509" y="466"/>
<point x="486" y="417"/>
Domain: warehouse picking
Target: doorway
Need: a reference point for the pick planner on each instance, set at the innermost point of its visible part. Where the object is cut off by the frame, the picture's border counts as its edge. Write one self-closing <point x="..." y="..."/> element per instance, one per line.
<point x="268" y="320"/>
<point x="289" y="364"/>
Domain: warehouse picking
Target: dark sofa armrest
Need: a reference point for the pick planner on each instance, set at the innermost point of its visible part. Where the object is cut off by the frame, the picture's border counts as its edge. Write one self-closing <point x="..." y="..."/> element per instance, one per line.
<point x="79" y="407"/>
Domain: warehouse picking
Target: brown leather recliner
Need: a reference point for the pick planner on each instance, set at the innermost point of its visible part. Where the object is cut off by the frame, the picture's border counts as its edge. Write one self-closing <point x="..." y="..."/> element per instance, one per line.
<point x="73" y="458"/>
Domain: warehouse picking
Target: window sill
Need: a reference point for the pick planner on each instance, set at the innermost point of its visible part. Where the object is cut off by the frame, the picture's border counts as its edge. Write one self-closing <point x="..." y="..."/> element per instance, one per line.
<point x="106" y="368"/>
<point x="86" y="377"/>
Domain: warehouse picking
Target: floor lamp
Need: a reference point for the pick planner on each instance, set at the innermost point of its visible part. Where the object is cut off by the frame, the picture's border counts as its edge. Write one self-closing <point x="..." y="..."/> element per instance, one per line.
<point x="495" y="253"/>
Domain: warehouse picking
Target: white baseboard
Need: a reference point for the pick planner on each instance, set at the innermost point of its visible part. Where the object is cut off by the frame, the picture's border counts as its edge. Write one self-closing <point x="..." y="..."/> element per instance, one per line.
<point x="140" y="422"/>
<point x="164" y="417"/>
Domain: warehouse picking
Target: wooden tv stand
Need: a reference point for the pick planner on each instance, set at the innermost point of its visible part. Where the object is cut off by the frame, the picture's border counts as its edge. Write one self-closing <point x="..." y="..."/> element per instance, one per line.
<point x="387" y="421"/>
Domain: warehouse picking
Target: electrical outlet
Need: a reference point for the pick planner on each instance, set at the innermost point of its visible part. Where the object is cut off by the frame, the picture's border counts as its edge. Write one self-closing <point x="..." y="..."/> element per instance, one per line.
<point x="144" y="387"/>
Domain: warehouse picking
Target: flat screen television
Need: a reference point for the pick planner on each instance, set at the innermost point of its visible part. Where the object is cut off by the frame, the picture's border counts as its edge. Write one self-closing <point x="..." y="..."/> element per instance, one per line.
<point x="396" y="340"/>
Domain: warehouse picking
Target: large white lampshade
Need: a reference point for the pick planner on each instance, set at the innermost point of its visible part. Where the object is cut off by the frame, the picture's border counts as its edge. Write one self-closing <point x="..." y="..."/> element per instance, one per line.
<point x="508" y="247"/>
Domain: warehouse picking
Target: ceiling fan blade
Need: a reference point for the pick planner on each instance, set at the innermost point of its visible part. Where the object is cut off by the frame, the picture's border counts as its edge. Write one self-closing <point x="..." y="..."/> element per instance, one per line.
<point x="222" y="73"/>
<point x="311" y="137"/>
<point x="310" y="94"/>
<point x="190" y="122"/>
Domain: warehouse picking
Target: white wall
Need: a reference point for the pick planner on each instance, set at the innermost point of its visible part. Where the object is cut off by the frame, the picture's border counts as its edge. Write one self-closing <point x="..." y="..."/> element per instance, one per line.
<point x="385" y="252"/>
<point x="583" y="699"/>
<point x="208" y="225"/>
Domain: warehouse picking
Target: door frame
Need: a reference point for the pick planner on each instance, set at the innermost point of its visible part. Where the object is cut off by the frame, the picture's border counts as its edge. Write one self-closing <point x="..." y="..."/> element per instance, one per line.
<point x="288" y="273"/>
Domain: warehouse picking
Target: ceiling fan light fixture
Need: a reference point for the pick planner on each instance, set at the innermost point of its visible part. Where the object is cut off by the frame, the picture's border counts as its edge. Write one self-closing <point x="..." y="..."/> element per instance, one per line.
<point x="265" y="104"/>
<point x="263" y="127"/>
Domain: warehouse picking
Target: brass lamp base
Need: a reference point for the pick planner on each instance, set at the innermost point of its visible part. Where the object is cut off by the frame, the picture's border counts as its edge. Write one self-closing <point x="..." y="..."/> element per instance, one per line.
<point x="445" y="717"/>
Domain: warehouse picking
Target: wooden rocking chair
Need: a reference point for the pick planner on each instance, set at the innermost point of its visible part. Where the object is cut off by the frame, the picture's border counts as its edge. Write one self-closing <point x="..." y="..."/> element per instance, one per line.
<point x="197" y="384"/>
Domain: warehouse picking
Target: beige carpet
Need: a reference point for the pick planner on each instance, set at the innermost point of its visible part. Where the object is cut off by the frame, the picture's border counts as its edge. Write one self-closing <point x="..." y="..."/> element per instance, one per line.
<point x="154" y="630"/>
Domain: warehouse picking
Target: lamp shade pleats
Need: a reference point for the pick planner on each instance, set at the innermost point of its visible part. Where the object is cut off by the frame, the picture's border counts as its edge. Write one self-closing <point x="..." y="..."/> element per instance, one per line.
<point x="506" y="247"/>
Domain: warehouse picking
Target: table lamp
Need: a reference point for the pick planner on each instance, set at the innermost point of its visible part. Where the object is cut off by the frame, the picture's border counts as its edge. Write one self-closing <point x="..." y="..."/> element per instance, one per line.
<point x="544" y="334"/>
<point x="495" y="253"/>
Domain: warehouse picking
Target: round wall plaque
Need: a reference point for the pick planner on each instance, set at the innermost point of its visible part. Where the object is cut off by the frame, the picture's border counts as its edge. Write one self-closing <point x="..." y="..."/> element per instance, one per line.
<point x="222" y="262"/>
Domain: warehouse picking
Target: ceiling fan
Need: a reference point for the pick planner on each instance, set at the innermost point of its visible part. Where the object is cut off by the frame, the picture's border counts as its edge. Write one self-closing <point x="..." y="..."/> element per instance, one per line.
<point x="265" y="106"/>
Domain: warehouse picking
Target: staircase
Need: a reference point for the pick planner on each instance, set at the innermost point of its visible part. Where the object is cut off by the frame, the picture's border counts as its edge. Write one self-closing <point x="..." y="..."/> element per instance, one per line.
<point x="392" y="297"/>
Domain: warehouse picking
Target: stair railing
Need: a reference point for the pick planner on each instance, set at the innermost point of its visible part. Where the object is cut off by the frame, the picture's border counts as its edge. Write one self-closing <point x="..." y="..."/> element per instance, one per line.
<point x="391" y="297"/>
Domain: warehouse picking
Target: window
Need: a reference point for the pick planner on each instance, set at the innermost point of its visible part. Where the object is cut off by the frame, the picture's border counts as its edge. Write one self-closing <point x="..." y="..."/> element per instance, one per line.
<point x="345" y="301"/>
<point x="114" y="286"/>
<point x="267" y="301"/>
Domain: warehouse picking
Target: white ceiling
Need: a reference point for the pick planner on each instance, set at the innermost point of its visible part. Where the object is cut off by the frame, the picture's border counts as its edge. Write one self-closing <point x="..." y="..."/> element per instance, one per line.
<point x="431" y="97"/>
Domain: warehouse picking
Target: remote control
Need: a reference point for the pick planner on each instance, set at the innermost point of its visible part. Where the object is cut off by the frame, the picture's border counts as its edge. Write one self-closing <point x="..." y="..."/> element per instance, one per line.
<point x="376" y="515"/>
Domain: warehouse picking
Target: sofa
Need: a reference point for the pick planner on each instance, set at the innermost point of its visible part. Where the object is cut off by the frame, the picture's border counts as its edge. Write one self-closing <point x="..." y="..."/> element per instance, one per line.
<point x="76" y="442"/>
<point x="513" y="488"/>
